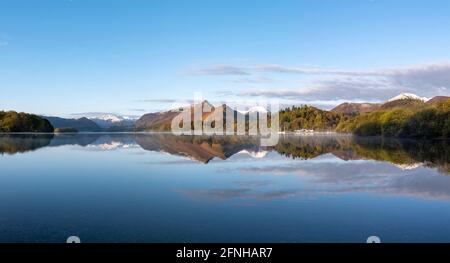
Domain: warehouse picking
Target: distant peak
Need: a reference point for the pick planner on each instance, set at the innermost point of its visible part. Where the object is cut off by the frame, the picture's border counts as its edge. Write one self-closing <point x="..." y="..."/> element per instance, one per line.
<point x="258" y="108"/>
<point x="407" y="96"/>
<point x="110" y="117"/>
<point x="202" y="103"/>
<point x="206" y="102"/>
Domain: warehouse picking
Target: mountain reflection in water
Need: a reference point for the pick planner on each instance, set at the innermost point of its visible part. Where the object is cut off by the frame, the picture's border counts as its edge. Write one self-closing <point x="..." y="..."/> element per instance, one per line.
<point x="165" y="188"/>
<point x="405" y="154"/>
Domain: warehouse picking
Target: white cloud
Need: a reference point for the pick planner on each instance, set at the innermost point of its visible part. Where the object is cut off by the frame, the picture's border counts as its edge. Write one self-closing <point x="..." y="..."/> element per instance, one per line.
<point x="311" y="71"/>
<point x="273" y="68"/>
<point x="157" y="100"/>
<point x="426" y="80"/>
<point x="220" y="70"/>
<point x="253" y="80"/>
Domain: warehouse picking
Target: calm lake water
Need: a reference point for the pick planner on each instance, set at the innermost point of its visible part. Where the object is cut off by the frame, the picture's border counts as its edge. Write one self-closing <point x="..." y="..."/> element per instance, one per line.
<point x="164" y="188"/>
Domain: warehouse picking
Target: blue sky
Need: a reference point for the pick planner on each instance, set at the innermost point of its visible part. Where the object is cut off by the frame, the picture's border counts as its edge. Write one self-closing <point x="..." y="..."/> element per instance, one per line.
<point x="63" y="57"/>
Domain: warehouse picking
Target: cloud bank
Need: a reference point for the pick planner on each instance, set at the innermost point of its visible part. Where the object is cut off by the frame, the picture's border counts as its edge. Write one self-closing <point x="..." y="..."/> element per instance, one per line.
<point x="426" y="80"/>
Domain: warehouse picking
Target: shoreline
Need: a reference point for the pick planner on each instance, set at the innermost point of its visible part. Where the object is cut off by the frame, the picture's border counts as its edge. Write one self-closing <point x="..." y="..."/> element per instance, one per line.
<point x="293" y="134"/>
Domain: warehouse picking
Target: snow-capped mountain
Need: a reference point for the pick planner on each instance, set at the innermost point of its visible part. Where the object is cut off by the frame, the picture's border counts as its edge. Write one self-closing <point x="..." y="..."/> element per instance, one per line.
<point x="410" y="96"/>
<point x="258" y="109"/>
<point x="254" y="109"/>
<point x="109" y="120"/>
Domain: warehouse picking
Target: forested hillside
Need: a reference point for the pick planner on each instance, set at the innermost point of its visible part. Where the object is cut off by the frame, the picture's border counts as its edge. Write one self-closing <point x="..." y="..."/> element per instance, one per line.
<point x="308" y="117"/>
<point x="12" y="121"/>
<point x="423" y="121"/>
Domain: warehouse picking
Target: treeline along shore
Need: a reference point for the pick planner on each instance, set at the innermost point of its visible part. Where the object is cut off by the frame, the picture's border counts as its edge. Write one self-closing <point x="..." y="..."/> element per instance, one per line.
<point x="406" y="117"/>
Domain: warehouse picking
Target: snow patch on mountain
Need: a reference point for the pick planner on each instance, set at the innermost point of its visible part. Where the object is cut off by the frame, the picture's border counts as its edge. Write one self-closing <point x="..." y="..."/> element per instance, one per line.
<point x="110" y="118"/>
<point x="404" y="96"/>
<point x="254" y="109"/>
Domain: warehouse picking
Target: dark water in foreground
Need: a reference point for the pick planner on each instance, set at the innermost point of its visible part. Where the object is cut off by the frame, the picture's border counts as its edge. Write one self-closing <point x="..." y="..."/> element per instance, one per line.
<point x="161" y="188"/>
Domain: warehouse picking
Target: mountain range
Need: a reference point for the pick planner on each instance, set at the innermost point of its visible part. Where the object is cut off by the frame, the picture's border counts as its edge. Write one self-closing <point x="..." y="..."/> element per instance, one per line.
<point x="161" y="121"/>
<point x="81" y="124"/>
<point x="104" y="122"/>
<point x="417" y="113"/>
<point x="402" y="100"/>
<point x="113" y="122"/>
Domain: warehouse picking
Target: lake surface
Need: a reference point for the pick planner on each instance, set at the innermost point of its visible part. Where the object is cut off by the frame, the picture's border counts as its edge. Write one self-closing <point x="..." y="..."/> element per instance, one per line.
<point x="164" y="188"/>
